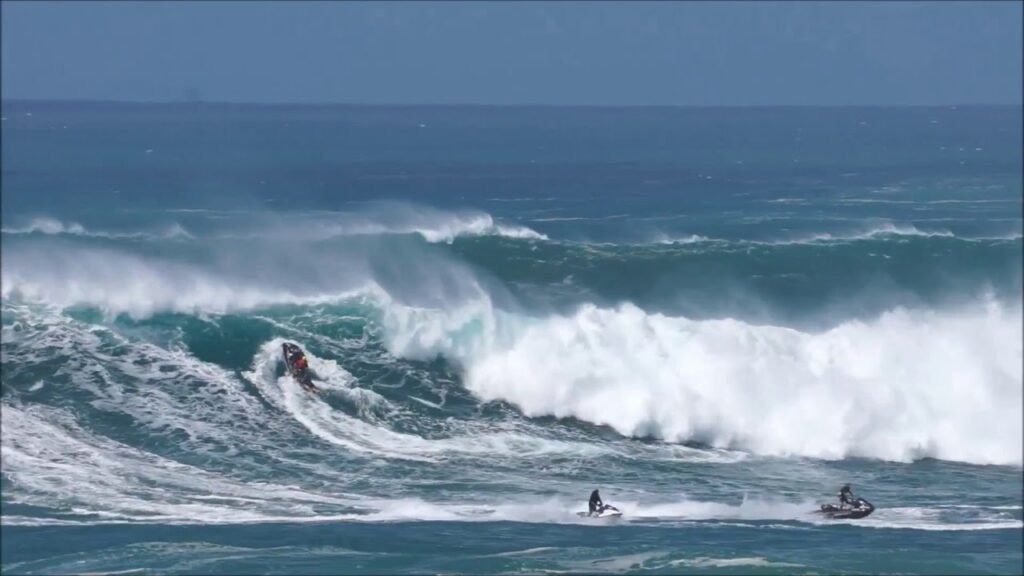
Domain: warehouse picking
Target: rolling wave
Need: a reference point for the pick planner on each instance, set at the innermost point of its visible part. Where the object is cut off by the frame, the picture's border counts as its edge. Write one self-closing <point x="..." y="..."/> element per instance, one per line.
<point x="446" y="226"/>
<point x="55" y="227"/>
<point x="902" y="386"/>
<point x="864" y="231"/>
<point x="899" y="383"/>
<point x="434" y="226"/>
<point x="377" y="219"/>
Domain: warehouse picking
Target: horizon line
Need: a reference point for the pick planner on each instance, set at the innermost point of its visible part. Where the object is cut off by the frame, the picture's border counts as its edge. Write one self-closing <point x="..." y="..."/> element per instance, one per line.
<point x="96" y="101"/>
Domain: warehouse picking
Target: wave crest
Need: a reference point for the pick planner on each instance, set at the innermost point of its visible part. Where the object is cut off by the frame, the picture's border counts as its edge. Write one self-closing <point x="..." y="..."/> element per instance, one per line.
<point x="390" y="218"/>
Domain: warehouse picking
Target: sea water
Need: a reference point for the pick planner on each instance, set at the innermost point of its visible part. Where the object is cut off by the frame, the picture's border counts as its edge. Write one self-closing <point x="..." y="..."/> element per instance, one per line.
<point x="717" y="317"/>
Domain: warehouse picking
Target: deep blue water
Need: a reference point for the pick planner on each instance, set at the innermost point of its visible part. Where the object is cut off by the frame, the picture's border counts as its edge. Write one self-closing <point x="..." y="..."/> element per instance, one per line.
<point x="716" y="316"/>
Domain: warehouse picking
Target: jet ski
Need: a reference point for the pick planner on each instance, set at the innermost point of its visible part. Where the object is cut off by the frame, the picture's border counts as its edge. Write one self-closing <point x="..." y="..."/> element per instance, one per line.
<point x="302" y="375"/>
<point x="606" y="511"/>
<point x="860" y="509"/>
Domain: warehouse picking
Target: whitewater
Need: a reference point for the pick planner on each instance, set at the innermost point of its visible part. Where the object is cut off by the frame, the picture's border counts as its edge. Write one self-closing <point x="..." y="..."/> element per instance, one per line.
<point x="716" y="355"/>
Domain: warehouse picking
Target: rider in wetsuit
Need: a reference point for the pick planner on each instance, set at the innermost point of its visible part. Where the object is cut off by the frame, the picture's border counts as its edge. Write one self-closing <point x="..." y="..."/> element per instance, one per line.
<point x="297" y="359"/>
<point x="846" y="497"/>
<point x="300" y="365"/>
<point x="596" y="505"/>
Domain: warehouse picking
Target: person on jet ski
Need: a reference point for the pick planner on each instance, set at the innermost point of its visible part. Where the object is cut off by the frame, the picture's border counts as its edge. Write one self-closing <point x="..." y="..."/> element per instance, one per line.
<point x="596" y="505"/>
<point x="846" y="498"/>
<point x="298" y="359"/>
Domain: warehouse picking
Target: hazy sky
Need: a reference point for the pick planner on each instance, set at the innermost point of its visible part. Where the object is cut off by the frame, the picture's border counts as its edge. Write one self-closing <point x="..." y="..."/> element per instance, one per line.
<point x="516" y="53"/>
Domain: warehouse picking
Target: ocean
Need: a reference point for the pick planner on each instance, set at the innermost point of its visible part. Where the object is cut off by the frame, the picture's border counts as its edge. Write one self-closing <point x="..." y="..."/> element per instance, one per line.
<point x="716" y="316"/>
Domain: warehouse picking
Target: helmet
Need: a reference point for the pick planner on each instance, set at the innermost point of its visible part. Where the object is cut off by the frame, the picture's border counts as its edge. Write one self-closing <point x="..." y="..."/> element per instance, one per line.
<point x="845" y="488"/>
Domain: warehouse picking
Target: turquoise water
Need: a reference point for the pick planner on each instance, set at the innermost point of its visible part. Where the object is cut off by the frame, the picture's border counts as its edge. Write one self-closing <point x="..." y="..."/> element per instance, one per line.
<point x="716" y="316"/>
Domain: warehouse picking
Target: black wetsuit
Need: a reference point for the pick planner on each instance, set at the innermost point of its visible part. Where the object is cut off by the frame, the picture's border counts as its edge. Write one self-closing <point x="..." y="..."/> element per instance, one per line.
<point x="596" y="506"/>
<point x="846" y="499"/>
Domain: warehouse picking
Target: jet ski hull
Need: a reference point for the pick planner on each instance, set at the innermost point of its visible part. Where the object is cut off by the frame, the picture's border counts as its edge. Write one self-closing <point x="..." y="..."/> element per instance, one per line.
<point x="606" y="512"/>
<point x="862" y="509"/>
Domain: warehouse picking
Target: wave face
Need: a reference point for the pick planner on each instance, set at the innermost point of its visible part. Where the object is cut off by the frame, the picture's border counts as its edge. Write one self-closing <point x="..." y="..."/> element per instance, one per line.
<point x="714" y="342"/>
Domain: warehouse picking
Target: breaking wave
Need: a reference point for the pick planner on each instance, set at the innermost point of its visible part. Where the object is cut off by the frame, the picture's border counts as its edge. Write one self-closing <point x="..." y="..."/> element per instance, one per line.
<point x="909" y="384"/>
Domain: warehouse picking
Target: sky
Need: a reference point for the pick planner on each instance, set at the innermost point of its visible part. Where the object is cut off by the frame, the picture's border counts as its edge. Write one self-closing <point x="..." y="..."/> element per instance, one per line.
<point x="553" y="53"/>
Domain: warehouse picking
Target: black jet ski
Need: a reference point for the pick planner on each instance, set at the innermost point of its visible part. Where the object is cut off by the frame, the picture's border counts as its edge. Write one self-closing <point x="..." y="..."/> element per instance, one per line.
<point x="303" y="376"/>
<point x="860" y="509"/>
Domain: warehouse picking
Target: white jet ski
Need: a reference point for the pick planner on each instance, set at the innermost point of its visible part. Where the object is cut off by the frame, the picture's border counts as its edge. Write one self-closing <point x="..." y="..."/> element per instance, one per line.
<point x="606" y="511"/>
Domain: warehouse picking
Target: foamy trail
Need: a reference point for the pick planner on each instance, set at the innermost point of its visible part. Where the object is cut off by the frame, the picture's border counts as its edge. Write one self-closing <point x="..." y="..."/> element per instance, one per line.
<point x="366" y="434"/>
<point x="50" y="459"/>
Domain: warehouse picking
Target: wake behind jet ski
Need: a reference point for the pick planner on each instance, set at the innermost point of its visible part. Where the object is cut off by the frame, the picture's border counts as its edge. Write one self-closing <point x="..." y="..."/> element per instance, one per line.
<point x="297" y="365"/>
<point x="598" y="509"/>
<point x="850" y="507"/>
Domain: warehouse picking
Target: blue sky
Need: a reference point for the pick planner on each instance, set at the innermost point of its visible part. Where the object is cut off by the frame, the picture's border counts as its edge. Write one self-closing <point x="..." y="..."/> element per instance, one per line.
<point x="616" y="53"/>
